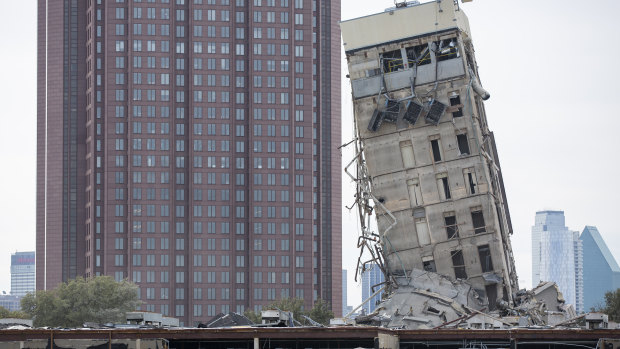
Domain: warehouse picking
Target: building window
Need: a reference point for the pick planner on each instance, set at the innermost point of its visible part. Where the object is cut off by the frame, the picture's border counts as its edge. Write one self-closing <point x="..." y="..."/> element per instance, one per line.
<point x="463" y="144"/>
<point x="455" y="101"/>
<point x="415" y="192"/>
<point x="429" y="264"/>
<point x="471" y="183"/>
<point x="406" y="152"/>
<point x="478" y="221"/>
<point x="458" y="263"/>
<point x="421" y="227"/>
<point x="436" y="148"/>
<point x="443" y="186"/>
<point x="484" y="252"/>
<point x="452" y="228"/>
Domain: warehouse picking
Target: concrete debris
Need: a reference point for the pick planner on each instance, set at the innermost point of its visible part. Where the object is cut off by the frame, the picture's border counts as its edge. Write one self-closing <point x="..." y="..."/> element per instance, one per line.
<point x="227" y="320"/>
<point x="427" y="300"/>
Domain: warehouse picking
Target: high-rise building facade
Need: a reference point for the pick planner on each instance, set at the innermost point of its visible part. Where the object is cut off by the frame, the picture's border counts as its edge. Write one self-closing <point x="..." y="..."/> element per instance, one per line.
<point x="372" y="276"/>
<point x="601" y="272"/>
<point x="557" y="256"/>
<point x="191" y="146"/>
<point x="344" y="292"/>
<point x="22" y="273"/>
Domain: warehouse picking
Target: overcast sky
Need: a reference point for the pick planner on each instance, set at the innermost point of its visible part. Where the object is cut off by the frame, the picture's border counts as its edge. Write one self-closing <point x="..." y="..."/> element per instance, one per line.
<point x="550" y="66"/>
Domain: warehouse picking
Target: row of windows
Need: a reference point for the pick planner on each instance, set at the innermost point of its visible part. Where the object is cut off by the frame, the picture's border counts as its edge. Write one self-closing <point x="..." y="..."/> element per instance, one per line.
<point x="208" y="31"/>
<point x="198" y="112"/>
<point x="211" y="261"/>
<point x="181" y="15"/>
<point x="238" y="3"/>
<point x="210" y="162"/>
<point x="206" y="80"/>
<point x="209" y="228"/>
<point x="214" y="211"/>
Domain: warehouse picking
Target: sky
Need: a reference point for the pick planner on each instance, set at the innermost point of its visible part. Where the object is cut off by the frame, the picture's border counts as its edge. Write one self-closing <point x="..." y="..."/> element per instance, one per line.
<point x="550" y="67"/>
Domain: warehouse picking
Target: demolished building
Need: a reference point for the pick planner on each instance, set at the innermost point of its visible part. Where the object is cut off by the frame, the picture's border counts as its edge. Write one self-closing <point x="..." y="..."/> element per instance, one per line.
<point x="427" y="168"/>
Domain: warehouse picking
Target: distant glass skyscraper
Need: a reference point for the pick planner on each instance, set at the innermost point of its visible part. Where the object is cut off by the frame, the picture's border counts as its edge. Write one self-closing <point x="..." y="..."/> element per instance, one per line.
<point x="371" y="277"/>
<point x="22" y="273"/>
<point x="601" y="272"/>
<point x="557" y="256"/>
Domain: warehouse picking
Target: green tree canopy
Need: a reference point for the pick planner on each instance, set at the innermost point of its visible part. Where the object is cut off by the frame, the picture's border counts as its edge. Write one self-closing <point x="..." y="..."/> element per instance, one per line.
<point x="319" y="313"/>
<point x="612" y="305"/>
<point x="100" y="299"/>
<point x="5" y="313"/>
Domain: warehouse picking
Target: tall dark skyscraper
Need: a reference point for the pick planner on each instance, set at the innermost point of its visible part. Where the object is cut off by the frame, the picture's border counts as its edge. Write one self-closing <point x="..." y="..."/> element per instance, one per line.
<point x="191" y="146"/>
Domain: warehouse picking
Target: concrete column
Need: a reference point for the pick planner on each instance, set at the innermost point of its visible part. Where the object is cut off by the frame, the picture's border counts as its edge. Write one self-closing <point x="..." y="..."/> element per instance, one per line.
<point x="388" y="341"/>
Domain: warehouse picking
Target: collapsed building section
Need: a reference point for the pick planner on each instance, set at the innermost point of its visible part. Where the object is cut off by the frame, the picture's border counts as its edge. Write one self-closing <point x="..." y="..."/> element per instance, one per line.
<point x="426" y="164"/>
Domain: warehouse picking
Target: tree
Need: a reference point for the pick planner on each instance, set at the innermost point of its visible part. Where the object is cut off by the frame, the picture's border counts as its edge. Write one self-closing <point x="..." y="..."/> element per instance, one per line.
<point x="100" y="299"/>
<point x="319" y="313"/>
<point x="5" y="313"/>
<point x="612" y="305"/>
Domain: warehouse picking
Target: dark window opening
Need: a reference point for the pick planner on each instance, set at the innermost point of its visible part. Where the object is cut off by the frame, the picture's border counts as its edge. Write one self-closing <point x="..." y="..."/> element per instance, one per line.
<point x="459" y="264"/>
<point x="463" y="144"/>
<point x="419" y="55"/>
<point x="456" y="101"/>
<point x="484" y="252"/>
<point x="446" y="187"/>
<point x="429" y="266"/>
<point x="447" y="49"/>
<point x="452" y="229"/>
<point x="435" y="148"/>
<point x="478" y="222"/>
<point x="491" y="291"/>
<point x="392" y="61"/>
<point x="471" y="183"/>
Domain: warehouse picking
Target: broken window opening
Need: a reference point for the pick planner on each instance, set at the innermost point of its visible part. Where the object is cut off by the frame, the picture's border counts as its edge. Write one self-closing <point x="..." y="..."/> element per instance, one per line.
<point x="458" y="262"/>
<point x="413" y="112"/>
<point x="429" y="266"/>
<point x="478" y="222"/>
<point x="415" y="192"/>
<point x="452" y="229"/>
<point x="419" y="55"/>
<point x="436" y="149"/>
<point x="463" y="143"/>
<point x="435" y="112"/>
<point x="406" y="153"/>
<point x="443" y="187"/>
<point x="447" y="49"/>
<point x="471" y="182"/>
<point x="392" y="61"/>
<point x="491" y="291"/>
<point x="456" y="101"/>
<point x="421" y="228"/>
<point x="484" y="252"/>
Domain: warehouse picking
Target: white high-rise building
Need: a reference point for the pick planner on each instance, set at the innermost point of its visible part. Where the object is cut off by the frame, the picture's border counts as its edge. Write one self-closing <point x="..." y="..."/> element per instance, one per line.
<point x="22" y="273"/>
<point x="557" y="256"/>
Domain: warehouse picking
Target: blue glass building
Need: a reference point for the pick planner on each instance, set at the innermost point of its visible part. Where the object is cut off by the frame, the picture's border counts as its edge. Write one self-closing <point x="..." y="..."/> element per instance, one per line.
<point x="557" y="256"/>
<point x="371" y="277"/>
<point x="601" y="272"/>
